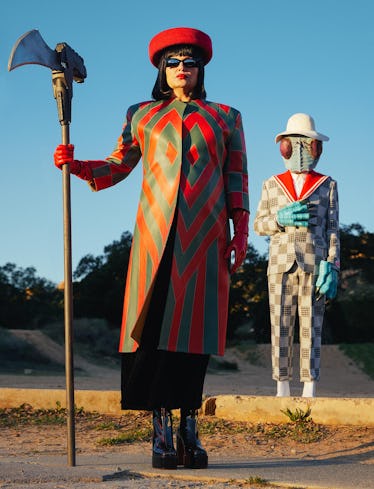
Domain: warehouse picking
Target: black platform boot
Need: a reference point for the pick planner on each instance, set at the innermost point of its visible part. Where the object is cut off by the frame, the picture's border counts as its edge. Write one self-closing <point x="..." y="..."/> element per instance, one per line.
<point x="164" y="455"/>
<point x="190" y="452"/>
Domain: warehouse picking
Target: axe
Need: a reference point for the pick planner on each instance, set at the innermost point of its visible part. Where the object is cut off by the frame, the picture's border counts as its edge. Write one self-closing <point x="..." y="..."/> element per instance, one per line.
<point x="67" y="66"/>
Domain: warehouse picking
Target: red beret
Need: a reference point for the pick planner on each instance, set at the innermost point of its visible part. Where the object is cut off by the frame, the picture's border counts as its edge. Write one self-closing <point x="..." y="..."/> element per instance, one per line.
<point x="179" y="35"/>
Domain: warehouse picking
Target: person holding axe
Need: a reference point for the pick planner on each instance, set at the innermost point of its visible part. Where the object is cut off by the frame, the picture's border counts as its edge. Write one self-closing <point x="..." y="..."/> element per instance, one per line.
<point x="194" y="181"/>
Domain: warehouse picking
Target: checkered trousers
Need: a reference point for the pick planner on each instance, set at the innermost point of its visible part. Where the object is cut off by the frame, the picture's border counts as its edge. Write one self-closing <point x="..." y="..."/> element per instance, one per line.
<point x="290" y="293"/>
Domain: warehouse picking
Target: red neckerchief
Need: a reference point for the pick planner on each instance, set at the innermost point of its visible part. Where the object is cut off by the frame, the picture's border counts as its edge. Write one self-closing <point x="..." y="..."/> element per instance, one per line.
<point x="312" y="181"/>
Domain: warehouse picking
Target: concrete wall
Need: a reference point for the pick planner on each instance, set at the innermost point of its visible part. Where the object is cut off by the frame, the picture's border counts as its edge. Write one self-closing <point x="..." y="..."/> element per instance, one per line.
<point x="267" y="409"/>
<point x="324" y="410"/>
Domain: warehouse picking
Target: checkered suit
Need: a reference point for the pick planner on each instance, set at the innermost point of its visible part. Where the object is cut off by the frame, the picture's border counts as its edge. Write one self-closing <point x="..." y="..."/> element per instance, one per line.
<point x="294" y="256"/>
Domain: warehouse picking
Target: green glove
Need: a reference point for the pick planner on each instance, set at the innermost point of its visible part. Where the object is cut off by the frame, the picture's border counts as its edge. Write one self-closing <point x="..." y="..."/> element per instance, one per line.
<point x="327" y="281"/>
<point x="295" y="214"/>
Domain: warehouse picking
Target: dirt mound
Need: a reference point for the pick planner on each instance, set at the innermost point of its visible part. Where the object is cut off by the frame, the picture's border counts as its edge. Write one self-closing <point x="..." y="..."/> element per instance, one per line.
<point x="56" y="352"/>
<point x="340" y="377"/>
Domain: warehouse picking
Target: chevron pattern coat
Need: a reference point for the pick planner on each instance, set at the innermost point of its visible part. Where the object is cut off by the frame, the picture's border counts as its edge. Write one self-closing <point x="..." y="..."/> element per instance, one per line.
<point x="194" y="170"/>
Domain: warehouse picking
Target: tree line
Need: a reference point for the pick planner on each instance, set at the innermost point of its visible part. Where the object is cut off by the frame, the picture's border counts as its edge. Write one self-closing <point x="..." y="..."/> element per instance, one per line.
<point x="28" y="301"/>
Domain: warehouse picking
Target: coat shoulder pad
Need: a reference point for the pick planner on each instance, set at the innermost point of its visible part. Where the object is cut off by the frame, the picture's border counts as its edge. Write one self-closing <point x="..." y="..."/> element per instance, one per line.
<point x="223" y="108"/>
<point x="139" y="106"/>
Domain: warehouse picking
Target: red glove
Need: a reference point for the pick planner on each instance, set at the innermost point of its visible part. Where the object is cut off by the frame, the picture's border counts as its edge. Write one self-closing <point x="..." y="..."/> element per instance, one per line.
<point x="239" y="242"/>
<point x="64" y="154"/>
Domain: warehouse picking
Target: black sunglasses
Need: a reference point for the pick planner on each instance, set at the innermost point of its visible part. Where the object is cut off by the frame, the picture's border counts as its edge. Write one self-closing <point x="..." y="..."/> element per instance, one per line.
<point x="187" y="63"/>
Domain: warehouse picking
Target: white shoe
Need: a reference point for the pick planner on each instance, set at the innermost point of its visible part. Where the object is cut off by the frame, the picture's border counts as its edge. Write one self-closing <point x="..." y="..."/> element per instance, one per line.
<point x="283" y="388"/>
<point x="309" y="389"/>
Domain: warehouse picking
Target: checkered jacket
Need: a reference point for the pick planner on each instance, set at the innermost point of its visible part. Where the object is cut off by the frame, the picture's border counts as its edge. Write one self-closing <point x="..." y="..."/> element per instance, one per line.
<point x="307" y="246"/>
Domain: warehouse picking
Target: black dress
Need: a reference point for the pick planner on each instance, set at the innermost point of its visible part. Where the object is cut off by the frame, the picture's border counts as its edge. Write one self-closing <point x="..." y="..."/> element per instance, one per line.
<point x="152" y="378"/>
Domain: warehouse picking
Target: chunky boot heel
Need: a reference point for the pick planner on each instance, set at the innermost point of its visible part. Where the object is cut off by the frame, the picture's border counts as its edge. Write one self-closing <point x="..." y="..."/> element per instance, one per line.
<point x="164" y="455"/>
<point x="190" y="452"/>
<point x="180" y="449"/>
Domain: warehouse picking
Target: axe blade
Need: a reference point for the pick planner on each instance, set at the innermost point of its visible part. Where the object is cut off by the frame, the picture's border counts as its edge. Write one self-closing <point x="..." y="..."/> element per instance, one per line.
<point x="32" y="49"/>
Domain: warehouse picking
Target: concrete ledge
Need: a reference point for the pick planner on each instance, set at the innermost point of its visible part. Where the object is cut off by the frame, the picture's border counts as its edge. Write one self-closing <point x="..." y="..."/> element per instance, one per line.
<point x="255" y="409"/>
<point x="108" y="402"/>
<point x="324" y="410"/>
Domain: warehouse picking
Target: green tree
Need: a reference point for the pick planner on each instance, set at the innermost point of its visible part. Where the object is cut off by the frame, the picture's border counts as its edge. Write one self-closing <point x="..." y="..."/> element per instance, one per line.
<point x="100" y="282"/>
<point x="27" y="301"/>
<point x="357" y="252"/>
<point x="348" y="318"/>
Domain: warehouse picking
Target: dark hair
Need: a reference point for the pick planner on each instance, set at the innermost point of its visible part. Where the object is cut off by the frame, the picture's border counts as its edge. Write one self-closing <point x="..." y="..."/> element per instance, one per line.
<point x="161" y="90"/>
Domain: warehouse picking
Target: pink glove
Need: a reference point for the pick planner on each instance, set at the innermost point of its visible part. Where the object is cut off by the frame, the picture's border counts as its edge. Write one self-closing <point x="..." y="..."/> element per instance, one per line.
<point x="64" y="154"/>
<point x="239" y="242"/>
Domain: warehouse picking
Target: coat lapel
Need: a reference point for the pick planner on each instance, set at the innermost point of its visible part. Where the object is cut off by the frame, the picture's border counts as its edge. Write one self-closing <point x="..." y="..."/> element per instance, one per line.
<point x="286" y="183"/>
<point x="312" y="182"/>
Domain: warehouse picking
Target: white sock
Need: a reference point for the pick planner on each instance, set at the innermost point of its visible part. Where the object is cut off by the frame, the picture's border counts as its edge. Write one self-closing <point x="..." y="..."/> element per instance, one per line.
<point x="283" y="388"/>
<point x="309" y="389"/>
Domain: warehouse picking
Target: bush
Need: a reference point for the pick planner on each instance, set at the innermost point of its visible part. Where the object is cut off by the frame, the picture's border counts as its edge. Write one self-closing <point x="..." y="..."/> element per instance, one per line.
<point x="348" y="319"/>
<point x="92" y="338"/>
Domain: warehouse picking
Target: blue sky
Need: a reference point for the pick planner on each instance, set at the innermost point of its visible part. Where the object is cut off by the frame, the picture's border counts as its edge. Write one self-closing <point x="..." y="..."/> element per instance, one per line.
<point x="271" y="59"/>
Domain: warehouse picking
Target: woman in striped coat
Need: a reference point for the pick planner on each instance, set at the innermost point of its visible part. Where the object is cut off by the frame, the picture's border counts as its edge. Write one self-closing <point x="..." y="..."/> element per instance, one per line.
<point x="176" y="297"/>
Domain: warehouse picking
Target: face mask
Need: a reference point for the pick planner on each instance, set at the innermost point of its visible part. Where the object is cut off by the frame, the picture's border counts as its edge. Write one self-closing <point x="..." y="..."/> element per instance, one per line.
<point x="300" y="154"/>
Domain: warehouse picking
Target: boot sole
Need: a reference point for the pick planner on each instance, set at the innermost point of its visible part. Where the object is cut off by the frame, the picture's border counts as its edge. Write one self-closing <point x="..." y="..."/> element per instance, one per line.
<point x="168" y="462"/>
<point x="199" y="462"/>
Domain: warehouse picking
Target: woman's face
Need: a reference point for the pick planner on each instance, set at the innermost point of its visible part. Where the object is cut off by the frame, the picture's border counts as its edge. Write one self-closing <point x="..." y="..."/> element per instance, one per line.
<point x="181" y="76"/>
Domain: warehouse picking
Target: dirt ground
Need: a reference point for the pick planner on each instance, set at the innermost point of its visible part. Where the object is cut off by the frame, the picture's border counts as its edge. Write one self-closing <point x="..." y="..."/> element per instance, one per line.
<point x="339" y="443"/>
<point x="339" y="378"/>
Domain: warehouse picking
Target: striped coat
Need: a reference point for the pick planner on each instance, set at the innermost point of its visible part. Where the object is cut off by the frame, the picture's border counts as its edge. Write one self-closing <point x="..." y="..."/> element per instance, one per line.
<point x="194" y="170"/>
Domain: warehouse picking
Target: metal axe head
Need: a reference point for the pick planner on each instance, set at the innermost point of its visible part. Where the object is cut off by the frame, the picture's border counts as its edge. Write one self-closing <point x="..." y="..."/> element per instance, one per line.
<point x="32" y="49"/>
<point x="65" y="63"/>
